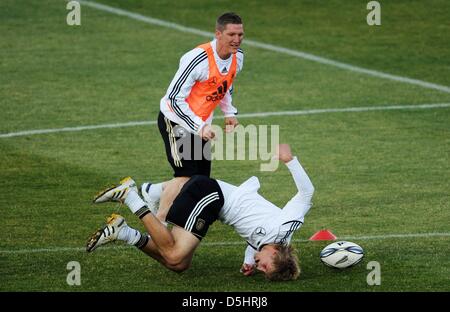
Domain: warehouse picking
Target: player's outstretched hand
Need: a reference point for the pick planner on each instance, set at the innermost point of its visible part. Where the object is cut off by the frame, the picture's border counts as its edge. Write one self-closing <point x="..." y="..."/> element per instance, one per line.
<point x="248" y="269"/>
<point x="284" y="153"/>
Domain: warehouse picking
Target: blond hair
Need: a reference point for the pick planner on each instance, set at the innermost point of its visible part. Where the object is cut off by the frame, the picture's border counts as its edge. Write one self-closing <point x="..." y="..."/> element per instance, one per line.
<point x="285" y="264"/>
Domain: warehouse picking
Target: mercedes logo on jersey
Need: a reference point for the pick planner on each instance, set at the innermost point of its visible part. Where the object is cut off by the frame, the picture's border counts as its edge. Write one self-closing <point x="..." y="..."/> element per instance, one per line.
<point x="260" y="231"/>
<point x="258" y="234"/>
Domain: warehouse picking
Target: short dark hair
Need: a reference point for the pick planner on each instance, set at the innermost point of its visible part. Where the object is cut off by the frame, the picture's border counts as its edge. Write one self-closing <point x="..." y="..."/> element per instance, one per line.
<point x="285" y="264"/>
<point x="227" y="18"/>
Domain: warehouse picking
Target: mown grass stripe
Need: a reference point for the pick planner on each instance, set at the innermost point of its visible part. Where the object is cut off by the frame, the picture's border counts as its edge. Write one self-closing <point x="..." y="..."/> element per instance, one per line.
<point x="232" y="243"/>
<point x="269" y="47"/>
<point x="249" y="115"/>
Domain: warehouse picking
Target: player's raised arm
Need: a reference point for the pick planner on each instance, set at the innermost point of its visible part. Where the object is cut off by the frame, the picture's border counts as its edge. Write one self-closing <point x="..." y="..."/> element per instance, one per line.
<point x="301" y="179"/>
<point x="300" y="204"/>
<point x="284" y="153"/>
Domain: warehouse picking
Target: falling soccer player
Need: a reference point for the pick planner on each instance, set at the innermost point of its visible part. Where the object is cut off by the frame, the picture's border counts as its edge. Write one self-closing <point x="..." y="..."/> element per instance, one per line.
<point x="267" y="229"/>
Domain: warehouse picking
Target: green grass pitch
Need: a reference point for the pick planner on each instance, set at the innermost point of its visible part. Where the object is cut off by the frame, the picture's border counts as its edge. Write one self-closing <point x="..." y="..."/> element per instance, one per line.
<point x="376" y="173"/>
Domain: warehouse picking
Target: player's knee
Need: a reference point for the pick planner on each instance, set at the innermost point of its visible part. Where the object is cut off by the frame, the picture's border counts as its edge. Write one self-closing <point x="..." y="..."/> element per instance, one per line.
<point x="172" y="188"/>
<point x="177" y="261"/>
<point x="174" y="259"/>
<point x="178" y="264"/>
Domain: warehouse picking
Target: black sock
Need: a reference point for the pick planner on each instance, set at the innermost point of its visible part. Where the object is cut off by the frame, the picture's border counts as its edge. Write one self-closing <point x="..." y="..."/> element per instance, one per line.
<point x="142" y="242"/>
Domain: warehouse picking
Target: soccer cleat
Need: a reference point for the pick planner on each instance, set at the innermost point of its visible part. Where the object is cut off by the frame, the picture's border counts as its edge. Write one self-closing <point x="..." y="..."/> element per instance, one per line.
<point x="116" y="193"/>
<point x="152" y="205"/>
<point x="106" y="234"/>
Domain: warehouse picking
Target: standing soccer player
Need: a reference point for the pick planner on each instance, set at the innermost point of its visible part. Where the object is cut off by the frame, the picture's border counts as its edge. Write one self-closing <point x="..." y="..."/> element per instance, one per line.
<point x="203" y="81"/>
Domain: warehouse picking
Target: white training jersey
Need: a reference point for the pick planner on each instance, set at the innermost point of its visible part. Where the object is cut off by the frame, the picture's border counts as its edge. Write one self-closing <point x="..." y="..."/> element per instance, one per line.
<point x="259" y="221"/>
<point x="194" y="67"/>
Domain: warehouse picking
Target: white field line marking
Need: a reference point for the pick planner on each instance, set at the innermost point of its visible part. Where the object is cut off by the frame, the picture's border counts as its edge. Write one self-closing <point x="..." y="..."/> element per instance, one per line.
<point x="249" y="115"/>
<point x="74" y="129"/>
<point x="269" y="47"/>
<point x="232" y="243"/>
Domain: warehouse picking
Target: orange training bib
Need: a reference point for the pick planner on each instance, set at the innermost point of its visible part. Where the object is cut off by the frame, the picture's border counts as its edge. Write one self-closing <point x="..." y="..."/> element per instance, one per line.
<point x="206" y="95"/>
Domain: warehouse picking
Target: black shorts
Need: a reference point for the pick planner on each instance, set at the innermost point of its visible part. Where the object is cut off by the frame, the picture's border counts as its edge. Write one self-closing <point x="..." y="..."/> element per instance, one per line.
<point x="197" y="205"/>
<point x="187" y="153"/>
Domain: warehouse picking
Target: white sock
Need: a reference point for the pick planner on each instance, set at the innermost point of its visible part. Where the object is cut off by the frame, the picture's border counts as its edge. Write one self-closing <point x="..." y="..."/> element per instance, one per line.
<point x="134" y="202"/>
<point x="133" y="237"/>
<point x="129" y="235"/>
<point x="155" y="192"/>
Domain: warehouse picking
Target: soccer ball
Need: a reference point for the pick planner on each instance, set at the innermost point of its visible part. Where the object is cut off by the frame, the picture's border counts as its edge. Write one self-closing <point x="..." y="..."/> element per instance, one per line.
<point x="341" y="254"/>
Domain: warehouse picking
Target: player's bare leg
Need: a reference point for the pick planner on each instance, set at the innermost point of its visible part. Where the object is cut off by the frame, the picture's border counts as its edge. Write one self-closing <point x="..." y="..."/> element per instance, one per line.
<point x="170" y="191"/>
<point x="172" y="248"/>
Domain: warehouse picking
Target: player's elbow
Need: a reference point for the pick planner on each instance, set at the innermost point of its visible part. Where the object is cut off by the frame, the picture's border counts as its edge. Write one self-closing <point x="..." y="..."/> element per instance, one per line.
<point x="312" y="190"/>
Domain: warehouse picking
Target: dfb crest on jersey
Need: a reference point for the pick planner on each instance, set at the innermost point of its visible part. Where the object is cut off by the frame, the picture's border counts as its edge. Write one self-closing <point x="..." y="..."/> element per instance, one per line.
<point x="200" y="224"/>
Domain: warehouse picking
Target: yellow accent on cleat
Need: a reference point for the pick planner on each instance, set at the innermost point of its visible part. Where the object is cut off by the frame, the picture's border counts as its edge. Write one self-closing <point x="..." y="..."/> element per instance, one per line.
<point x="116" y="193"/>
<point x="113" y="217"/>
<point x="125" y="180"/>
<point x="107" y="234"/>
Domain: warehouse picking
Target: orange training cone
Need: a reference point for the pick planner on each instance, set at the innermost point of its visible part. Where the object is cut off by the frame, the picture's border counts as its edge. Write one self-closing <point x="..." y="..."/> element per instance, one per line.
<point x="323" y="235"/>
